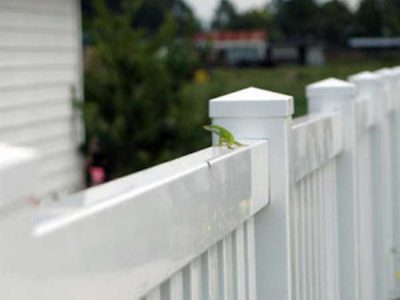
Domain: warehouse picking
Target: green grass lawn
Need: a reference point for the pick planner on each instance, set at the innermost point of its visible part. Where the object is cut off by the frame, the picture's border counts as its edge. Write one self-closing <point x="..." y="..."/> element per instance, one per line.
<point x="290" y="80"/>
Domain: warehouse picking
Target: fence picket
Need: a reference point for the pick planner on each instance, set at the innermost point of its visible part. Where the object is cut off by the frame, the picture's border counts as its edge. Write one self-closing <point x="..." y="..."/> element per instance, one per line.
<point x="213" y="273"/>
<point x="195" y="279"/>
<point x="154" y="295"/>
<point x="251" y="260"/>
<point x="227" y="266"/>
<point x="240" y="263"/>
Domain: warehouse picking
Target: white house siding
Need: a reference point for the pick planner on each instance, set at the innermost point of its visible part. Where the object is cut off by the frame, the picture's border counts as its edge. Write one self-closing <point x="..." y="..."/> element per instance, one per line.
<point x="40" y="65"/>
<point x="242" y="50"/>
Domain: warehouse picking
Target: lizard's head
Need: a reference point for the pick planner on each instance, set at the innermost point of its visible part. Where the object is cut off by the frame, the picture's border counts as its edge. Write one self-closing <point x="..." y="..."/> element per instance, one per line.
<point x="212" y="128"/>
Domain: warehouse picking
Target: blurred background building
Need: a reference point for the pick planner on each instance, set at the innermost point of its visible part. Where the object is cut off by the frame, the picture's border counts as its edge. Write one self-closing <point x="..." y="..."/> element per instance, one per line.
<point x="234" y="48"/>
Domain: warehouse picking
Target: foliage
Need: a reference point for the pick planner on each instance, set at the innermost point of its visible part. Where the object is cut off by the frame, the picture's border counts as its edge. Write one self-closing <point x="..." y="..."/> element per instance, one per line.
<point x="133" y="105"/>
<point x="185" y="19"/>
<point x="297" y="18"/>
<point x="391" y="18"/>
<point x="369" y="18"/>
<point x="151" y="13"/>
<point x="378" y="18"/>
<point x="330" y="21"/>
<point x="225" y="16"/>
<point x="254" y="19"/>
<point x="335" y="22"/>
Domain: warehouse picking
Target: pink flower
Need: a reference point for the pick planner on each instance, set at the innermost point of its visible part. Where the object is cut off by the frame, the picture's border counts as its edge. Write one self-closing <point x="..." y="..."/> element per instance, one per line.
<point x="97" y="175"/>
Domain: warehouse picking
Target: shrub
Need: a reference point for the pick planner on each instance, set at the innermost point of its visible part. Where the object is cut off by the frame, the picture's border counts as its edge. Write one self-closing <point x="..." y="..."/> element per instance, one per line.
<point x="133" y="91"/>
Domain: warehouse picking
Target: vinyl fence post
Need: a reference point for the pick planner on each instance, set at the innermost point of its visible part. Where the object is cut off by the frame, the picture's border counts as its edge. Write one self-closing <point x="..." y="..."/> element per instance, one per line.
<point x="392" y="79"/>
<point x="258" y="114"/>
<point x="336" y="95"/>
<point x="371" y="271"/>
<point x="389" y="163"/>
<point x="372" y="84"/>
<point x="396" y="207"/>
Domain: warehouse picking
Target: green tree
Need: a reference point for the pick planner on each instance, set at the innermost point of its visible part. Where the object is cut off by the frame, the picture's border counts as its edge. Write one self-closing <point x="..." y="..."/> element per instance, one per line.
<point x="336" y="21"/>
<point x="369" y="18"/>
<point x="378" y="18"/>
<point x="391" y="17"/>
<point x="297" y="18"/>
<point x="187" y="22"/>
<point x="225" y="16"/>
<point x="151" y="13"/>
<point x="133" y="105"/>
<point x="254" y="19"/>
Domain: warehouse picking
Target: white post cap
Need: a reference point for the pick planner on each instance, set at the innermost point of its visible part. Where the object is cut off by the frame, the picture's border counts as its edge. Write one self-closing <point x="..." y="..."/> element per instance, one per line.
<point x="363" y="73"/>
<point x="384" y="72"/>
<point x="331" y="87"/>
<point x="396" y="78"/>
<point x="389" y="80"/>
<point x="366" y="81"/>
<point x="252" y="102"/>
<point x="389" y="74"/>
<point x="18" y="173"/>
<point x="365" y="76"/>
<point x="396" y="70"/>
<point x="367" y="84"/>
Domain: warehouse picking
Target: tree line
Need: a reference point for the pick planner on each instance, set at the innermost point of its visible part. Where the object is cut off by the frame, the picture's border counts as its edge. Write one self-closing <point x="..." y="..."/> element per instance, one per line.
<point x="331" y="21"/>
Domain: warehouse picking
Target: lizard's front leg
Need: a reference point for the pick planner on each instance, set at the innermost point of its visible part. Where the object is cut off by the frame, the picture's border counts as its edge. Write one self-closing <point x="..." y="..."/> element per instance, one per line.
<point x="222" y="141"/>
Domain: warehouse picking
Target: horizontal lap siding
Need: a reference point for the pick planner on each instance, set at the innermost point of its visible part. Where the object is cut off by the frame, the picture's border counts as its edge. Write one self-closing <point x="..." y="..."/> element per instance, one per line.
<point x="39" y="67"/>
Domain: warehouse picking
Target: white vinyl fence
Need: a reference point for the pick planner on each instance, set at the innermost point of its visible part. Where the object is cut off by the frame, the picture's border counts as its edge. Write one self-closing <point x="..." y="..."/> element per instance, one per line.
<point x="308" y="210"/>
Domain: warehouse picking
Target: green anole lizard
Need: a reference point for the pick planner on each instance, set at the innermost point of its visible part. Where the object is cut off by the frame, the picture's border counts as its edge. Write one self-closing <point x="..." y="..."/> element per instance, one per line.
<point x="225" y="136"/>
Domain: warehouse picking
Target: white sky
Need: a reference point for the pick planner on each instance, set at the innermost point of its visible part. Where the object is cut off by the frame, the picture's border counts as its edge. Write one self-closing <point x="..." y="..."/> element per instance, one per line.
<point x="204" y="9"/>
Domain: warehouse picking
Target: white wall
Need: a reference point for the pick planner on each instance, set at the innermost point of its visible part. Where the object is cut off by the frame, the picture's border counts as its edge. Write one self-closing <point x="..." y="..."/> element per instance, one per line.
<point x="241" y="50"/>
<point x="40" y="63"/>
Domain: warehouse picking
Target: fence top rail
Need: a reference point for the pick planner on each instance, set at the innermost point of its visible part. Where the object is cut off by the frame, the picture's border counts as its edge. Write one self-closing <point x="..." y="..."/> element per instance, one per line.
<point x="153" y="222"/>
<point x="317" y="138"/>
<point x="139" y="184"/>
<point x="17" y="173"/>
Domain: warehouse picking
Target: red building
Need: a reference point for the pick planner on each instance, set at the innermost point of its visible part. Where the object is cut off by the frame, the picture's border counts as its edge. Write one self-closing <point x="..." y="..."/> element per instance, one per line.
<point x="234" y="47"/>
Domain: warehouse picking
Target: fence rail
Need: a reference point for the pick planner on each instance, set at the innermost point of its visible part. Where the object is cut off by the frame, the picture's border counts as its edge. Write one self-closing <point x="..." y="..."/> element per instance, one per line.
<point x="307" y="210"/>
